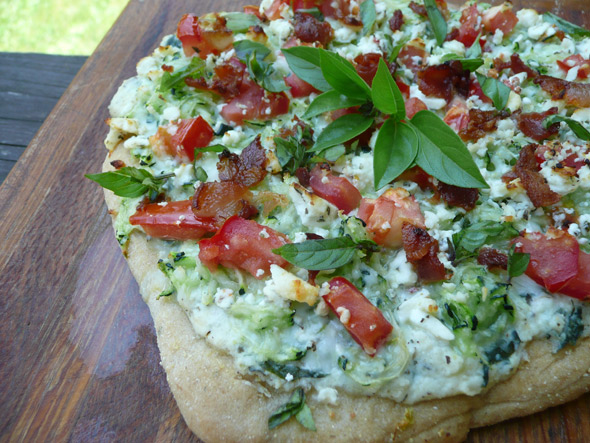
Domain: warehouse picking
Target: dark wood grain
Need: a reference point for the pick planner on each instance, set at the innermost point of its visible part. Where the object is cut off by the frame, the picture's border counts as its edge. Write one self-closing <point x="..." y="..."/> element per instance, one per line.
<point x="78" y="359"/>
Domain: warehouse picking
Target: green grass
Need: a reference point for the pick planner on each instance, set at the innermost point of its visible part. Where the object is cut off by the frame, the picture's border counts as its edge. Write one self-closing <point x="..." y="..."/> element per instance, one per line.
<point x="72" y="27"/>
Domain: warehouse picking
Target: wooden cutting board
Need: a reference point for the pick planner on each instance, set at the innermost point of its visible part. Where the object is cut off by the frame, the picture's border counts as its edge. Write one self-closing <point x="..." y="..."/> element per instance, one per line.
<point x="78" y="355"/>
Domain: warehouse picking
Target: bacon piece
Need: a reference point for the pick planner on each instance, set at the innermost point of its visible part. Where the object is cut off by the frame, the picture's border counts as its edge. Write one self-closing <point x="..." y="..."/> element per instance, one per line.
<point x="396" y="21"/>
<point x="309" y="29"/>
<point x="465" y="198"/>
<point x="412" y="55"/>
<point x="481" y="122"/>
<point x="444" y="80"/>
<point x="366" y="66"/>
<point x="221" y="200"/>
<point x="516" y="65"/>
<point x="247" y="169"/>
<point x="421" y="250"/>
<point x="492" y="258"/>
<point x="531" y="124"/>
<point x="418" y="9"/>
<point x="527" y="169"/>
<point x="227" y="80"/>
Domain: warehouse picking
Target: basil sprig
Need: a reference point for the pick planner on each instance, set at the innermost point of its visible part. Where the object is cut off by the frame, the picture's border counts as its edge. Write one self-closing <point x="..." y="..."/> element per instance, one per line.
<point x="517" y="262"/>
<point x="175" y="79"/>
<point x="295" y="407"/>
<point x="395" y="151"/>
<point x="497" y="91"/>
<point x="330" y="101"/>
<point x="253" y="54"/>
<point x="341" y="130"/>
<point x="437" y="21"/>
<point x="240" y="21"/>
<point x="368" y="16"/>
<point x="386" y="94"/>
<point x="576" y="127"/>
<point x="130" y="182"/>
<point x="565" y="26"/>
<point x="305" y="63"/>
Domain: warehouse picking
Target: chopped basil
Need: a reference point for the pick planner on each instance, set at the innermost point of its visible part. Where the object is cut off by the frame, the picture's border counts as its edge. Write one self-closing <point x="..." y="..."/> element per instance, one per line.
<point x="517" y="262"/>
<point x="503" y="349"/>
<point x="576" y="127"/>
<point x="341" y="130"/>
<point x="368" y="16"/>
<point x="497" y="91"/>
<point x="294" y="407"/>
<point x="129" y="181"/>
<point x="176" y="79"/>
<point x="395" y="151"/>
<point x="264" y="74"/>
<point x="565" y="26"/>
<point x="437" y="21"/>
<point x="240" y="21"/>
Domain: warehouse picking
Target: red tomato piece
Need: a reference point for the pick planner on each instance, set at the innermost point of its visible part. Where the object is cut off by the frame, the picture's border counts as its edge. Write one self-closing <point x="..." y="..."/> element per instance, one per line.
<point x="243" y="244"/>
<point x="413" y="55"/>
<point x="253" y="10"/>
<point x="385" y="216"/>
<point x="254" y="103"/>
<point x="364" y="321"/>
<point x="578" y="61"/>
<point x="579" y="286"/>
<point x="553" y="257"/>
<point x="337" y="190"/>
<point x="299" y="88"/>
<point x="413" y="105"/>
<point x="172" y="221"/>
<point x="457" y="117"/>
<point x="500" y="17"/>
<point x="205" y="35"/>
<point x="470" y="26"/>
<point x="180" y="139"/>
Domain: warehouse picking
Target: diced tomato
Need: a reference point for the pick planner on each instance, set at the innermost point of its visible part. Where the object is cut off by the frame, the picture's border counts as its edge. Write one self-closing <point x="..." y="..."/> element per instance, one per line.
<point x="337" y="190"/>
<point x="553" y="257"/>
<point x="578" y="61"/>
<point x="363" y="321"/>
<point x="243" y="244"/>
<point x="413" y="55"/>
<point x="385" y="216"/>
<point x="180" y="139"/>
<point x="457" y="117"/>
<point x="579" y="286"/>
<point x="172" y="221"/>
<point x="404" y="89"/>
<point x="299" y="88"/>
<point x="254" y="10"/>
<point x="413" y="105"/>
<point x="571" y="161"/>
<point x="205" y="35"/>
<point x="470" y="25"/>
<point x="254" y="103"/>
<point x="500" y="17"/>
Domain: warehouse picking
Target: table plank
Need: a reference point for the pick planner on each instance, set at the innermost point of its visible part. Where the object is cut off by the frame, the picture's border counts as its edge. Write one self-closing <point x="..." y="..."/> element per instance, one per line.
<point x="78" y="358"/>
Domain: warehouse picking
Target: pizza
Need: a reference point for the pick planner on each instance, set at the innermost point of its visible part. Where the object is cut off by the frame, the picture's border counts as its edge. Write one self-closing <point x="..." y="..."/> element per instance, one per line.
<point x="360" y="221"/>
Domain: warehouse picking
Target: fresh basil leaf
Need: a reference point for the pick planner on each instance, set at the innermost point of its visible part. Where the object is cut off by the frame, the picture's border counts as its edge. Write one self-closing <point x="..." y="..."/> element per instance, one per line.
<point x="264" y="74"/>
<point x="386" y="94"/>
<point x="212" y="148"/>
<point x="476" y="235"/>
<point x="437" y="21"/>
<point x="282" y="370"/>
<point x="565" y="26"/>
<point x="395" y="151"/>
<point x="342" y="76"/>
<point x="332" y="154"/>
<point x="474" y="51"/>
<point x="517" y="262"/>
<point x="129" y="181"/>
<point x="497" y="91"/>
<point x="341" y="130"/>
<point x="470" y="64"/>
<point x="240" y="21"/>
<point x="442" y="154"/>
<point x="201" y="174"/>
<point x="318" y="255"/>
<point x="576" y="127"/>
<point x="368" y="16"/>
<point x="245" y="48"/>
<point x="291" y="154"/>
<point x="330" y="101"/>
<point x="395" y="51"/>
<point x="290" y="409"/>
<point x="305" y="63"/>
<point x="175" y="79"/>
<point x="305" y="418"/>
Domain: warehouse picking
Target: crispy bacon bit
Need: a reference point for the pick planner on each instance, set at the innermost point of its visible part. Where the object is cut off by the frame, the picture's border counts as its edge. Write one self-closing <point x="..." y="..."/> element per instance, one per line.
<point x="481" y="122"/>
<point x="465" y="198"/>
<point x="527" y="169"/>
<point x="309" y="29"/>
<point x="221" y="200"/>
<point x="516" y="65"/>
<point x="118" y="164"/>
<point x="167" y="68"/>
<point x="531" y="124"/>
<point x="412" y="55"/>
<point x="366" y="66"/>
<point x="444" y="80"/>
<point x="226" y="81"/>
<point x="396" y="21"/>
<point x="247" y="169"/>
<point x="492" y="258"/>
<point x="303" y="175"/>
<point x="418" y="9"/>
<point x="421" y="250"/>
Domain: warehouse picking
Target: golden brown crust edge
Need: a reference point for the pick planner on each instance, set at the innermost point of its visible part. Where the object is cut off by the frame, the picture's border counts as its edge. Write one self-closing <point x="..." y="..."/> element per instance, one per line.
<point x="220" y="405"/>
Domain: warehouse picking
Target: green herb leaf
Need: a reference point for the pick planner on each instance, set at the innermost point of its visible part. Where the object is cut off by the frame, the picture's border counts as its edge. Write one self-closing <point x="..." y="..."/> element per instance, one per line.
<point x="176" y="79"/>
<point x="332" y="154"/>
<point x="201" y="174"/>
<point x="341" y="130"/>
<point x="476" y="235"/>
<point x="395" y="51"/>
<point x="577" y="128"/>
<point x="342" y="76"/>
<point x="368" y="16"/>
<point x="517" y="262"/>
<point x="395" y="151"/>
<point x="470" y="64"/>
<point x="305" y="418"/>
<point x="474" y="51"/>
<point x="240" y="21"/>
<point x="264" y="74"/>
<point x="212" y="148"/>
<point x="497" y="91"/>
<point x="129" y="181"/>
<point x="330" y="101"/>
<point x="442" y="154"/>
<point x="245" y="48"/>
<point x="565" y="26"/>
<point x="437" y="21"/>
<point x="282" y="370"/>
<point x="291" y="154"/>
<point x="318" y="255"/>
<point x="305" y="63"/>
<point x="386" y="94"/>
<point x="290" y="409"/>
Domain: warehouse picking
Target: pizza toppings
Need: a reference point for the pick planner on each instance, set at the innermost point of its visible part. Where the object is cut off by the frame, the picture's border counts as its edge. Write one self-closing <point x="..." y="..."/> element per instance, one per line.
<point x="421" y="250"/>
<point x="309" y="29"/>
<point x="204" y="35"/>
<point x="527" y="170"/>
<point x="180" y="139"/>
<point x="337" y="190"/>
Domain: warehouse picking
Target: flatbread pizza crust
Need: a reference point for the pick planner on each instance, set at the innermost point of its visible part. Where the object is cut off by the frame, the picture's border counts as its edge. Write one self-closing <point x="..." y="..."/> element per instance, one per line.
<point x="218" y="404"/>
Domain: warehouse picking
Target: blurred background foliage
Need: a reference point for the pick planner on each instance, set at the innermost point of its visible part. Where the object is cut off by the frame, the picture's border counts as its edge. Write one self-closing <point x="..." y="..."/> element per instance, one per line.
<point x="69" y="27"/>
